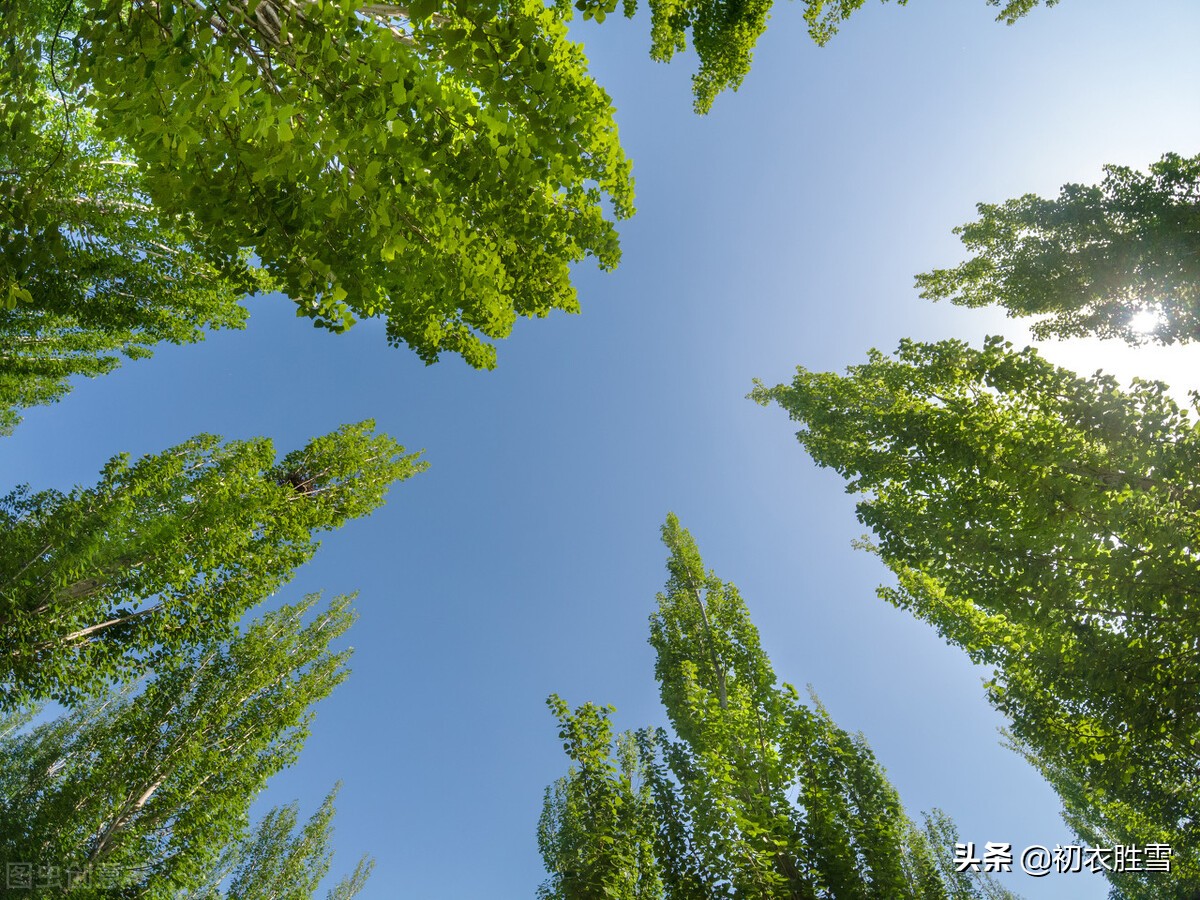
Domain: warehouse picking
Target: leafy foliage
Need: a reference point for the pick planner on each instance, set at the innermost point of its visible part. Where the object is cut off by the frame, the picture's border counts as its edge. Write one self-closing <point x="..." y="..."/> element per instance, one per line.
<point x="440" y="164"/>
<point x="596" y="833"/>
<point x="724" y="34"/>
<point x="1103" y="820"/>
<point x="1118" y="259"/>
<point x="145" y="791"/>
<point x="1047" y="524"/>
<point x="279" y="861"/>
<point x="166" y="552"/>
<point x="758" y="795"/>
<point x="89" y="270"/>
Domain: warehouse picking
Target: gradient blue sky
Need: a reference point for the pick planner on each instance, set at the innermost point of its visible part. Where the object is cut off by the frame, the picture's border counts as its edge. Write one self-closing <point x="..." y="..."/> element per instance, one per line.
<point x="783" y="228"/>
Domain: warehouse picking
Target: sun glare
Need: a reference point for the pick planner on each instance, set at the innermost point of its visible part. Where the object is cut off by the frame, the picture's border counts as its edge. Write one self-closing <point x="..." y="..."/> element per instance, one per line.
<point x="1147" y="321"/>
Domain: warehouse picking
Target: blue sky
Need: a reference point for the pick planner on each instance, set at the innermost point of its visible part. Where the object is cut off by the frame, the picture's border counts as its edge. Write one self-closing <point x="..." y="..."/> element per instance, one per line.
<point x="783" y="228"/>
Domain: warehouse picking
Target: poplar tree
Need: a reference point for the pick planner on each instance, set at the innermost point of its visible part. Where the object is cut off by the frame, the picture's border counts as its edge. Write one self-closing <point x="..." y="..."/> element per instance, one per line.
<point x="437" y="164"/>
<point x="145" y="791"/>
<point x="1047" y="524"/>
<point x="162" y="554"/>
<point x="1117" y="259"/>
<point x="90" y="271"/>
<point x="751" y="793"/>
<point x="282" y="860"/>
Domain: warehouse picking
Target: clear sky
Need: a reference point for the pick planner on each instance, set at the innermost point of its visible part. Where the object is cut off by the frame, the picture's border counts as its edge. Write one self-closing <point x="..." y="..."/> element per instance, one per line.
<point x="783" y="228"/>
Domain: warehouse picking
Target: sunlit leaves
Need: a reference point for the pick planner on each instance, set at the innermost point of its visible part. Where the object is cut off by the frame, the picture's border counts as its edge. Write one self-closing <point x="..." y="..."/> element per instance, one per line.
<point x="89" y="270"/>
<point x="440" y="166"/>
<point x="147" y="790"/>
<point x="723" y="35"/>
<point x="596" y="832"/>
<point x="280" y="859"/>
<point x="1048" y="524"/>
<point x="1118" y="259"/>
<point x="757" y="795"/>
<point x="168" y="551"/>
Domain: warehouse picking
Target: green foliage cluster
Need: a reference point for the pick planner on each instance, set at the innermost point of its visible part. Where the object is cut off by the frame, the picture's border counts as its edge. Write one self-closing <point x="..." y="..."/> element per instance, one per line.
<point x="1092" y="260"/>
<point x="90" y="270"/>
<point x="757" y="795"/>
<point x="122" y="601"/>
<point x="166" y="816"/>
<point x="596" y="832"/>
<point x="437" y="164"/>
<point x="279" y="860"/>
<point x="1047" y="524"/>
<point x="164" y="553"/>
<point x="440" y="164"/>
<point x="723" y="35"/>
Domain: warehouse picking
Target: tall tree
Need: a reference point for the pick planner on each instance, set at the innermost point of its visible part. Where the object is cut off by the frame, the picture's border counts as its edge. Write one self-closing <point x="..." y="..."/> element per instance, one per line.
<point x="89" y="270"/>
<point x="596" y="832"/>
<point x="724" y="34"/>
<point x="1103" y="820"/>
<point x="281" y="860"/>
<point x="144" y="791"/>
<point x="440" y="164"/>
<point x="167" y="552"/>
<point x="1047" y="524"/>
<point x="1117" y="259"/>
<point x="757" y="795"/>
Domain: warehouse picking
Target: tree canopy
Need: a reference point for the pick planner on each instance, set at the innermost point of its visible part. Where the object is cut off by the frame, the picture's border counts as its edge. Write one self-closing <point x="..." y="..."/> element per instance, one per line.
<point x="1117" y="259"/>
<point x="439" y="164"/>
<point x="1047" y="524"/>
<point x="89" y="269"/>
<point x="166" y="552"/>
<point x="723" y="35"/>
<point x="282" y="860"/>
<point x="146" y="790"/>
<point x="756" y="795"/>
